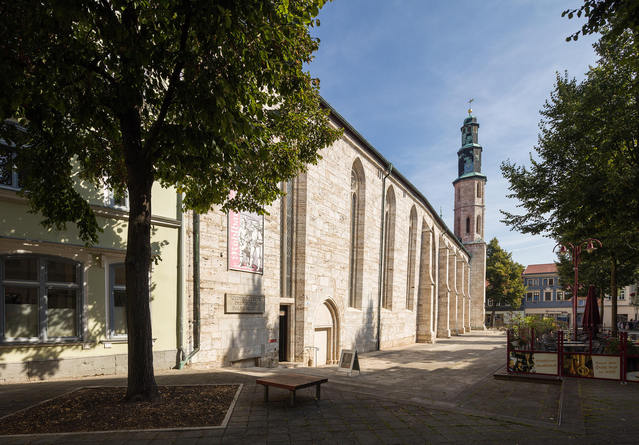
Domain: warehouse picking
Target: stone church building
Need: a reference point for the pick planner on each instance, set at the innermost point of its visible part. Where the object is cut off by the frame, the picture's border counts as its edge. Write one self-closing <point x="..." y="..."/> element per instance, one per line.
<point x="353" y="257"/>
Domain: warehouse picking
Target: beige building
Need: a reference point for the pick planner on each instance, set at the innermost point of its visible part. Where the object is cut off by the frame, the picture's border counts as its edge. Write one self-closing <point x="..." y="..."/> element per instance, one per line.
<point x="627" y="306"/>
<point x="353" y="257"/>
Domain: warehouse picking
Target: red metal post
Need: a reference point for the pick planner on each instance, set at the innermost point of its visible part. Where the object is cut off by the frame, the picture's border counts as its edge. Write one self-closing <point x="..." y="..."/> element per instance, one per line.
<point x="560" y="352"/>
<point x="623" y="342"/>
<point x="508" y="350"/>
<point x="575" y="261"/>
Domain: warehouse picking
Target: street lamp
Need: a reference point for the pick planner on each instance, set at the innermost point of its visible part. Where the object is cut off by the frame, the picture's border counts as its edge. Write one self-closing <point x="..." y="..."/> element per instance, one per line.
<point x="590" y="245"/>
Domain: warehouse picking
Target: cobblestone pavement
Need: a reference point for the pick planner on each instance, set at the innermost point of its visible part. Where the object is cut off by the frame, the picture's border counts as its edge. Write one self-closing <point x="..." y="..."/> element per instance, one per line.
<point x="402" y="396"/>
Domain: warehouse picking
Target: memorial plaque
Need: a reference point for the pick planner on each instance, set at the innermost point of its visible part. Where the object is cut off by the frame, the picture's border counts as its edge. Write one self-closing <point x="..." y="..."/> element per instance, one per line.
<point x="243" y="304"/>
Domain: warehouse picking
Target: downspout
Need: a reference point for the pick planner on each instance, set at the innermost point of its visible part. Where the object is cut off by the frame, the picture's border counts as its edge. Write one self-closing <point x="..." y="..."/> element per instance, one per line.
<point x="381" y="259"/>
<point x="180" y="280"/>
<point x="196" y="290"/>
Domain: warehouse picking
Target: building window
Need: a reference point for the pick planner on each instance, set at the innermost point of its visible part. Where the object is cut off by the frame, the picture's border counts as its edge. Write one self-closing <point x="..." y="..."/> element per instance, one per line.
<point x="117" y="300"/>
<point x="545" y="282"/>
<point x="40" y="298"/>
<point x="622" y="294"/>
<point x="287" y="230"/>
<point x="529" y="296"/>
<point x="560" y="295"/>
<point x="412" y="252"/>
<point x="478" y="186"/>
<point x="547" y="296"/>
<point x="117" y="200"/>
<point x="535" y="296"/>
<point x="356" y="264"/>
<point x="490" y="302"/>
<point x="551" y="282"/>
<point x="478" y="230"/>
<point x="8" y="173"/>
<point x="389" y="247"/>
<point x="467" y="225"/>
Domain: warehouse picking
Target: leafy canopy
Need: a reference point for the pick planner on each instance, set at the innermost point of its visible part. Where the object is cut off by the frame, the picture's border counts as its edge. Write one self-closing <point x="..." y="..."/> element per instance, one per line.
<point x="583" y="182"/>
<point x="209" y="96"/>
<point x="616" y="15"/>
<point x="505" y="283"/>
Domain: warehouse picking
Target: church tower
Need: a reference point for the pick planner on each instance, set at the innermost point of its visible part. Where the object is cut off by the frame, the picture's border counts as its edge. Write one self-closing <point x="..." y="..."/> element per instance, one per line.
<point x="470" y="214"/>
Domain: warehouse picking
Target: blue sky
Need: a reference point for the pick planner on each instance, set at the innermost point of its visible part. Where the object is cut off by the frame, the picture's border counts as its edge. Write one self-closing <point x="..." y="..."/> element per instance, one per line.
<point x="401" y="72"/>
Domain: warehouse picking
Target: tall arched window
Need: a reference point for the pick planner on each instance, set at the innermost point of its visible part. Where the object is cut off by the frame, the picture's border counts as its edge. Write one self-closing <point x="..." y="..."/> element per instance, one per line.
<point x="412" y="252"/>
<point x="467" y="225"/>
<point x="356" y="263"/>
<point x="478" y="229"/>
<point x="389" y="245"/>
<point x="478" y="186"/>
<point x="287" y="229"/>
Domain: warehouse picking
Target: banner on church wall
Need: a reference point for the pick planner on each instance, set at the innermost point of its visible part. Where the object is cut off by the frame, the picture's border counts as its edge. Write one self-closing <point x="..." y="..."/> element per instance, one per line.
<point x="245" y="241"/>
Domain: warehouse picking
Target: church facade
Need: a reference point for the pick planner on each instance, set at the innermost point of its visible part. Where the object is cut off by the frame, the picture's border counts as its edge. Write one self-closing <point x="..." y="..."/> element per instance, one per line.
<point x="353" y="257"/>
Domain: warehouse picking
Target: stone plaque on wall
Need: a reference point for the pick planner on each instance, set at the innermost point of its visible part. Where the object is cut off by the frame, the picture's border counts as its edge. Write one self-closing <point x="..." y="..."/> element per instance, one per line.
<point x="243" y="304"/>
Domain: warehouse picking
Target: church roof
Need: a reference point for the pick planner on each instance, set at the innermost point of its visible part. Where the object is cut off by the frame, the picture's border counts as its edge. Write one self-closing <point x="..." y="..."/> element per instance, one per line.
<point x="395" y="173"/>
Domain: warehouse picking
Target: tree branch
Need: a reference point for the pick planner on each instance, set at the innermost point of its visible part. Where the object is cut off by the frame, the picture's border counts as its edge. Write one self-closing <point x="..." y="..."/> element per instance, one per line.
<point x="170" y="92"/>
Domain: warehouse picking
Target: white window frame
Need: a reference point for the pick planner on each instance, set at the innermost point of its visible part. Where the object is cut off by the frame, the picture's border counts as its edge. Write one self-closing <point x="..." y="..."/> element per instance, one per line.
<point x="111" y="301"/>
<point x="43" y="286"/>
<point x="536" y="296"/>
<point x="109" y="199"/>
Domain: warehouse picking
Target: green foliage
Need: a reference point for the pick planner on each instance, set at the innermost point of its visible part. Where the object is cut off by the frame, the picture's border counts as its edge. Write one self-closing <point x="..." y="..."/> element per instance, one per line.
<point x="540" y="324"/>
<point x="505" y="283"/>
<point x="583" y="182"/>
<point x="211" y="96"/>
<point x="613" y="346"/>
<point x="615" y="14"/>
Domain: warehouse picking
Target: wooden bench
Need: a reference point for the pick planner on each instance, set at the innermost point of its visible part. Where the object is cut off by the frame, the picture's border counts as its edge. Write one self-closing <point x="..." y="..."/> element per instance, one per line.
<point x="292" y="382"/>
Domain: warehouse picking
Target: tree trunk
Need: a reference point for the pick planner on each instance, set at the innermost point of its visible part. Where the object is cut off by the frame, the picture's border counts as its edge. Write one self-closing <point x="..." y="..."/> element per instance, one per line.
<point x="141" y="380"/>
<point x="613" y="294"/>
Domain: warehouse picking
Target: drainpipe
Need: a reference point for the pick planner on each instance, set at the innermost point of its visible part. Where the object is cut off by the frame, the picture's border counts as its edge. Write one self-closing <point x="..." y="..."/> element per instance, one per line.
<point x="381" y="259"/>
<point x="196" y="290"/>
<point x="180" y="279"/>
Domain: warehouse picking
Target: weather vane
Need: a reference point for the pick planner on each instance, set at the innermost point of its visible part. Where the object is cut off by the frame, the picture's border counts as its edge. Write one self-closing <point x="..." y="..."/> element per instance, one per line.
<point x="470" y="110"/>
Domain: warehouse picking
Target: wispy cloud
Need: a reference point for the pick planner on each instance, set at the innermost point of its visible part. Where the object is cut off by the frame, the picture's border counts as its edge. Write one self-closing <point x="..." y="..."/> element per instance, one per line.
<point x="401" y="73"/>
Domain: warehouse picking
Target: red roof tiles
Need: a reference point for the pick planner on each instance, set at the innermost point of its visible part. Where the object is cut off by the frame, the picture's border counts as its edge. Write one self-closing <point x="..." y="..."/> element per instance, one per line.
<point x="540" y="268"/>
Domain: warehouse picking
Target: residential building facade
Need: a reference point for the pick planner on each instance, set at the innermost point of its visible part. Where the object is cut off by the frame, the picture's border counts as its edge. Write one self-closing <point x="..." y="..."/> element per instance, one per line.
<point x="546" y="296"/>
<point x="62" y="303"/>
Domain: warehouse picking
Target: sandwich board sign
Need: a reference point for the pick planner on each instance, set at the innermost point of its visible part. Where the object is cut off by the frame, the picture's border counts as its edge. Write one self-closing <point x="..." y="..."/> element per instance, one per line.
<point x="348" y="361"/>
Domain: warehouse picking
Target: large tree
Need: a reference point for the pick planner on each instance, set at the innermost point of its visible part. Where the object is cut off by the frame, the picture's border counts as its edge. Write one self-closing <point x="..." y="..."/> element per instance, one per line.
<point x="583" y="183"/>
<point x="208" y="96"/>
<point x="505" y="283"/>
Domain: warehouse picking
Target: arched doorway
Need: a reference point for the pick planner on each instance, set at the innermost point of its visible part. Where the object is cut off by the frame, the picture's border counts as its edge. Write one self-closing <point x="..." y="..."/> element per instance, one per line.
<point x="326" y="335"/>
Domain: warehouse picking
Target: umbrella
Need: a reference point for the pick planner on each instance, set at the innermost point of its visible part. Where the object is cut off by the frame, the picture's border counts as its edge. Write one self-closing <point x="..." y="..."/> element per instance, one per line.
<point x="591" y="312"/>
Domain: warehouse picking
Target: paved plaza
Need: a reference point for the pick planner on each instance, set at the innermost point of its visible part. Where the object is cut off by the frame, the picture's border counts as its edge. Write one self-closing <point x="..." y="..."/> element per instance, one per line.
<point x="442" y="393"/>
